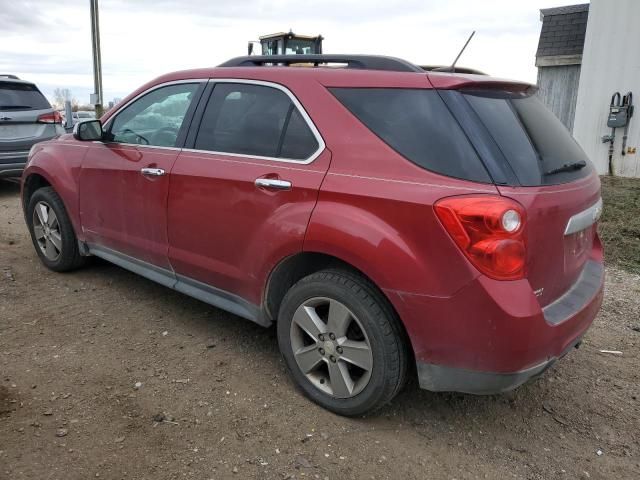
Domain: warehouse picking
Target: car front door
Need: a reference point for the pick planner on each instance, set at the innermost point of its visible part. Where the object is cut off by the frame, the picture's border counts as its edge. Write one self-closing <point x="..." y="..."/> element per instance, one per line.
<point x="241" y="196"/>
<point x="124" y="181"/>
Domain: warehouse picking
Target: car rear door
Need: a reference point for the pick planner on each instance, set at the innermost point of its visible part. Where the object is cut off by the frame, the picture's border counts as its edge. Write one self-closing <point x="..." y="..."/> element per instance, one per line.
<point x="25" y="118"/>
<point x="124" y="180"/>
<point x="241" y="197"/>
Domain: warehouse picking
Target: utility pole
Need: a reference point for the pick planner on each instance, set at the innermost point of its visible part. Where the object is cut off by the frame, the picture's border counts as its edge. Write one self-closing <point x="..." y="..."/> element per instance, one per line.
<point x="96" y="98"/>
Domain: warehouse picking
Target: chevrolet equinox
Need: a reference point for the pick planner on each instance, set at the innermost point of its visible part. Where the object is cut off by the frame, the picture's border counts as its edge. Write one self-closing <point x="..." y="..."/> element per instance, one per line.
<point x="390" y="221"/>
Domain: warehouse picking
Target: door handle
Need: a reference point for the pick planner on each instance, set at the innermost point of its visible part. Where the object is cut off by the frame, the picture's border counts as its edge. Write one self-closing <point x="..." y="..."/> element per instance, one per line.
<point x="152" y="172"/>
<point x="273" y="183"/>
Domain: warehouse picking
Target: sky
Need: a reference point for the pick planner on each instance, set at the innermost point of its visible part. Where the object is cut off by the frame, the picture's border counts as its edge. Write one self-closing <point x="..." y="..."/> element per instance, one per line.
<point x="49" y="41"/>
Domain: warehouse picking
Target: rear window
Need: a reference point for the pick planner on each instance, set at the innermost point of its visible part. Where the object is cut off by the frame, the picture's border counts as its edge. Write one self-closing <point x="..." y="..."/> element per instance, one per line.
<point x="417" y="124"/>
<point x="21" y="96"/>
<point x="537" y="146"/>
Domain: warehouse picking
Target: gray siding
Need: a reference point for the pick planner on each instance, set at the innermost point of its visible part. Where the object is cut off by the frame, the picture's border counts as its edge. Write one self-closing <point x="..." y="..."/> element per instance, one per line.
<point x="558" y="89"/>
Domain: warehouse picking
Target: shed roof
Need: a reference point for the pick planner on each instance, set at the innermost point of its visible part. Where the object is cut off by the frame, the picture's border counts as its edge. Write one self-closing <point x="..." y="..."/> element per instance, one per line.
<point x="563" y="30"/>
<point x="583" y="7"/>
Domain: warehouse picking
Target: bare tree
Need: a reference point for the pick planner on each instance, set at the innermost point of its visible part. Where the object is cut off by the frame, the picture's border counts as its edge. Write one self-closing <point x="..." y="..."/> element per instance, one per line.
<point x="61" y="95"/>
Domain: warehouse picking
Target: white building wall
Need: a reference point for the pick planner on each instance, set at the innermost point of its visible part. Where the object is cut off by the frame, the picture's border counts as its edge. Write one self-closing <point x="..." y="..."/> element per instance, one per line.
<point x="610" y="63"/>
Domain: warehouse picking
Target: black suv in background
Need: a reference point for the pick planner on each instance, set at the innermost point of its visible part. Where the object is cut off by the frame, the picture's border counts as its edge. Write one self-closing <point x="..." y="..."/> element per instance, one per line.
<point x="26" y="118"/>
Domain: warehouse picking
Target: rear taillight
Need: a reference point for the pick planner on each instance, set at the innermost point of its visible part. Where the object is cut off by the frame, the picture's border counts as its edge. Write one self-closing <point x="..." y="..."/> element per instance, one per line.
<point x="489" y="230"/>
<point x="53" y="117"/>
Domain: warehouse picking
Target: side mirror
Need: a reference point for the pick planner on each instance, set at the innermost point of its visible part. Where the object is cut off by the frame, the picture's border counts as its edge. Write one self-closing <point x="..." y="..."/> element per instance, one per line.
<point x="88" y="131"/>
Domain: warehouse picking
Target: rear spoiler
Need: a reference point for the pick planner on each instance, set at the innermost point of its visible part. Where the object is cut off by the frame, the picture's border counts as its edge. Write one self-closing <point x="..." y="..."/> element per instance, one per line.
<point x="448" y="81"/>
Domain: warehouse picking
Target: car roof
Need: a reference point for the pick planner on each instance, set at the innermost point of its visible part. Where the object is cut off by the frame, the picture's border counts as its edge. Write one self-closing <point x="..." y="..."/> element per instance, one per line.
<point x="328" y="76"/>
<point x="4" y="77"/>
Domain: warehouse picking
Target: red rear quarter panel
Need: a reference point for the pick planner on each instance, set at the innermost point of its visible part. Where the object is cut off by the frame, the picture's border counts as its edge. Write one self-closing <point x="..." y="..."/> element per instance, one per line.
<point x="375" y="212"/>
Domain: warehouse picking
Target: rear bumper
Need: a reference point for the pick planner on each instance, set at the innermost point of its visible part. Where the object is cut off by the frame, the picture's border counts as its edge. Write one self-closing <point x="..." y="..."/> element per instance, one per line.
<point x="12" y="162"/>
<point x="493" y="336"/>
<point x="438" y="378"/>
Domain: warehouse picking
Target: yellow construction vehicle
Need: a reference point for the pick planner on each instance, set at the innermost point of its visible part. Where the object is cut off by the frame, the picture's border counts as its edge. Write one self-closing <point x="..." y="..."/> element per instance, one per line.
<point x="287" y="44"/>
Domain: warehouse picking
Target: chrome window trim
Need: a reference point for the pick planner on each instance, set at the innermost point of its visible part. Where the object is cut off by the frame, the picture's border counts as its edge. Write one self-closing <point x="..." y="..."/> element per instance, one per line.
<point x="140" y="95"/>
<point x="584" y="219"/>
<point x="277" y="86"/>
<point x="138" y="145"/>
<point x="296" y="103"/>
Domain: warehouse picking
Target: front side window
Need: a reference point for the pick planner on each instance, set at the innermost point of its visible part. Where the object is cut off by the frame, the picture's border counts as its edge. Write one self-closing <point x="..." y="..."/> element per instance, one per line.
<point x="254" y="120"/>
<point x="154" y="119"/>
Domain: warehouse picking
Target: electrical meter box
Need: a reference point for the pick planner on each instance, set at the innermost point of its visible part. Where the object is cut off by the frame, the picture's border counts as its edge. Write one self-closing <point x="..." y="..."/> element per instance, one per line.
<point x="618" y="116"/>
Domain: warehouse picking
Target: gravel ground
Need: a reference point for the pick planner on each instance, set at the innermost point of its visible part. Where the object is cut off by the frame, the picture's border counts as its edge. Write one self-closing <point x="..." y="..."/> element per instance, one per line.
<point x="105" y="374"/>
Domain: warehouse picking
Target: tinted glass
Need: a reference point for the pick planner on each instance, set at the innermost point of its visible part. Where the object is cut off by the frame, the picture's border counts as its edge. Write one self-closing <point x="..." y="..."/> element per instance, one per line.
<point x="254" y="120"/>
<point x="298" y="143"/>
<point x="532" y="139"/>
<point x="417" y="124"/>
<point x="154" y="119"/>
<point x="21" y="96"/>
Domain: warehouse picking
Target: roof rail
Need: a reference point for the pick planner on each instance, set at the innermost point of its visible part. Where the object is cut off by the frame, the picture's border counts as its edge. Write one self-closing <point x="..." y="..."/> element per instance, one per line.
<point x="361" y="62"/>
<point x="8" y="75"/>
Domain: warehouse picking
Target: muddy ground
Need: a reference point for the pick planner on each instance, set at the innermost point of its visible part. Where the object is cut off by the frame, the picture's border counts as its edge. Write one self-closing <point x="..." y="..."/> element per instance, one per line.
<point x="214" y="400"/>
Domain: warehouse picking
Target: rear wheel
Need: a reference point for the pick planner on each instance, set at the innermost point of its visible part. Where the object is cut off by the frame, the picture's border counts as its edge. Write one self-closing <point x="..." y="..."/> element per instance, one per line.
<point x="342" y="342"/>
<point x="51" y="231"/>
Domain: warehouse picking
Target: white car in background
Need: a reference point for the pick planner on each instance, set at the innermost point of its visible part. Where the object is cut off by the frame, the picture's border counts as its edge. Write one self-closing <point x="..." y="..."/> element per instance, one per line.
<point x="81" y="116"/>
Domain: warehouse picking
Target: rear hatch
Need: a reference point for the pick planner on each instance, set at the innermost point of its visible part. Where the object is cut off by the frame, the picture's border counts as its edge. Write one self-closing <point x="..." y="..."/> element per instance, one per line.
<point x="25" y="118"/>
<point x="533" y="159"/>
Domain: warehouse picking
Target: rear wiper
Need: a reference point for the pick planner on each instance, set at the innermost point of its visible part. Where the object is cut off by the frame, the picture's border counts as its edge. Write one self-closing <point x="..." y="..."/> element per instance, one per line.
<point x="568" y="167"/>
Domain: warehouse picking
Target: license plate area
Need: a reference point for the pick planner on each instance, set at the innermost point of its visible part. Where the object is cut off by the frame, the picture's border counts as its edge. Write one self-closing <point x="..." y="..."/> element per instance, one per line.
<point x="19" y="131"/>
<point x="577" y="247"/>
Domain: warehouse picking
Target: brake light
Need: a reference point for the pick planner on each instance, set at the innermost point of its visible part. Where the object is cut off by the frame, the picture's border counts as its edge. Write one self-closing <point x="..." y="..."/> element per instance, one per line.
<point x="53" y="117"/>
<point x="489" y="231"/>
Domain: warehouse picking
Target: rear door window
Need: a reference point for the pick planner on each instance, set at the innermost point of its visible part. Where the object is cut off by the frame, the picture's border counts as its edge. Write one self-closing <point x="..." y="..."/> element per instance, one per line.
<point x="254" y="120"/>
<point x="537" y="146"/>
<point x="418" y="125"/>
<point x="21" y="96"/>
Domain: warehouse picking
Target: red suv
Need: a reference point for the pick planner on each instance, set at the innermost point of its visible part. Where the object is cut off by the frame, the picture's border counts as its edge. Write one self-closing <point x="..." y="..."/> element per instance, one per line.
<point x="381" y="215"/>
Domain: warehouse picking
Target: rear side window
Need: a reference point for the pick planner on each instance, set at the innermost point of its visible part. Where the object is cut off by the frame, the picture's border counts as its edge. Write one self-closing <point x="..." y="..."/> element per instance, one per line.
<point x="417" y="124"/>
<point x="21" y="96"/>
<point x="534" y="142"/>
<point x="254" y="120"/>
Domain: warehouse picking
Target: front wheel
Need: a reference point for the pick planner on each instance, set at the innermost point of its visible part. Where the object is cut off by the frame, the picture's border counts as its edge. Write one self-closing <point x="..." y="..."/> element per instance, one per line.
<point x="342" y="342"/>
<point x="51" y="231"/>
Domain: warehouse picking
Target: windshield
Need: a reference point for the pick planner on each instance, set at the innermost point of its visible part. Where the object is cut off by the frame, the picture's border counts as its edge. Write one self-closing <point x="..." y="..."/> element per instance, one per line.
<point x="537" y="146"/>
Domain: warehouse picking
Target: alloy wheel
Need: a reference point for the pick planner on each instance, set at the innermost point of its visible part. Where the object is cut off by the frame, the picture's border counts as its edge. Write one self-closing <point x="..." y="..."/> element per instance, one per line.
<point x="46" y="230"/>
<point x="331" y="347"/>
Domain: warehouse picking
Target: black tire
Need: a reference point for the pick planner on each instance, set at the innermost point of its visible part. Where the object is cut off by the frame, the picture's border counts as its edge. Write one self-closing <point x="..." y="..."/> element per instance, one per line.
<point x="69" y="257"/>
<point x="380" y="324"/>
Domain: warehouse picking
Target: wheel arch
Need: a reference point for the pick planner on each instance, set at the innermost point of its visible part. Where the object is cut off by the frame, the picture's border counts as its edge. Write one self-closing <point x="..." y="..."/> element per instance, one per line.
<point x="295" y="267"/>
<point x="31" y="183"/>
<point x="63" y="183"/>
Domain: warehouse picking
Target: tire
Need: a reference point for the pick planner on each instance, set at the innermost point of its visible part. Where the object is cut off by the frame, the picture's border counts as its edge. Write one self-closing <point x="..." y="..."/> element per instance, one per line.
<point x="59" y="236"/>
<point x="364" y="380"/>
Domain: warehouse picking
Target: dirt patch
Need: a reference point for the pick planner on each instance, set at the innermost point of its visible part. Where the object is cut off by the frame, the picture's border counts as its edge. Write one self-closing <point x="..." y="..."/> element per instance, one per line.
<point x="118" y="377"/>
<point x="7" y="403"/>
<point x="620" y="224"/>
